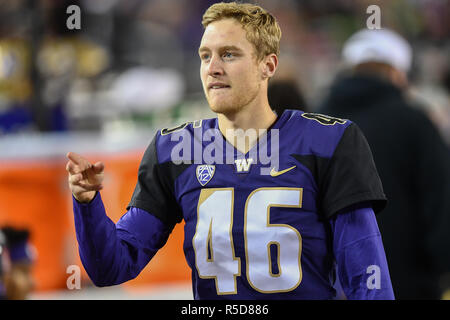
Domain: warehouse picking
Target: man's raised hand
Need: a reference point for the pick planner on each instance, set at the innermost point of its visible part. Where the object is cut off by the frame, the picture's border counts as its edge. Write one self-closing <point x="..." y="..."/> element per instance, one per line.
<point x="85" y="179"/>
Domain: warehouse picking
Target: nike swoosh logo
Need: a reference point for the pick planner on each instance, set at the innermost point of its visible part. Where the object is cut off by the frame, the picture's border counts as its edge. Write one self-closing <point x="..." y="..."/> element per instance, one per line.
<point x="275" y="173"/>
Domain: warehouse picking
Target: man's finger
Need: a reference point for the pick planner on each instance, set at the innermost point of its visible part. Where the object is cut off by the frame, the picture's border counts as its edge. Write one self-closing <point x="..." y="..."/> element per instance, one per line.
<point x="76" y="158"/>
<point x="75" y="178"/>
<point x="90" y="187"/>
<point x="82" y="163"/>
<point x="99" y="167"/>
<point x="72" y="168"/>
<point x="73" y="156"/>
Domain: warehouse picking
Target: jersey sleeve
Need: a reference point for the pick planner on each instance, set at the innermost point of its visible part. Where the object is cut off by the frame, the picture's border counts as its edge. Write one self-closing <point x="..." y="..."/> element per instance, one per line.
<point x="361" y="261"/>
<point x="114" y="253"/>
<point x="154" y="191"/>
<point x="351" y="176"/>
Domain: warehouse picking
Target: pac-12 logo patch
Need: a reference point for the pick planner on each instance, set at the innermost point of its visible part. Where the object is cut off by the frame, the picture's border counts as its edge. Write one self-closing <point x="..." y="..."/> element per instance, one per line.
<point x="205" y="172"/>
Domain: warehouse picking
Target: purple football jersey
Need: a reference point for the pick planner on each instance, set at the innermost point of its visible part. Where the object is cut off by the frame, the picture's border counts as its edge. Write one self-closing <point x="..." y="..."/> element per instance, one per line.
<point x="257" y="225"/>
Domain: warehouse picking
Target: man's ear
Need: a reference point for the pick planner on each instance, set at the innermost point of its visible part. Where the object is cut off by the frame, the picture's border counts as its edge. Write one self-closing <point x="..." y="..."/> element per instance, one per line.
<point x="269" y="65"/>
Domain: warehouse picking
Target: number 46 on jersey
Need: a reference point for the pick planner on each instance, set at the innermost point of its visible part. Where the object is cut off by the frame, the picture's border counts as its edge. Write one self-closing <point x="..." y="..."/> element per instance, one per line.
<point x="214" y="247"/>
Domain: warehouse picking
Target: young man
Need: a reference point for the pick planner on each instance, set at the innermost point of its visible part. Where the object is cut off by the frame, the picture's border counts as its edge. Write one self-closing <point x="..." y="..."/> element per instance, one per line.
<point x="254" y="228"/>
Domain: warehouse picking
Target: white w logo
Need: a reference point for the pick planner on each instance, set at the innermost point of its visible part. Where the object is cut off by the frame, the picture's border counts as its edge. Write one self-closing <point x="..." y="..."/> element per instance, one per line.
<point x="243" y="164"/>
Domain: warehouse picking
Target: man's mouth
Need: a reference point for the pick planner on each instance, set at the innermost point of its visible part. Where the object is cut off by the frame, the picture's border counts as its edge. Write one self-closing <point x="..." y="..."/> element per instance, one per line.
<point x="216" y="86"/>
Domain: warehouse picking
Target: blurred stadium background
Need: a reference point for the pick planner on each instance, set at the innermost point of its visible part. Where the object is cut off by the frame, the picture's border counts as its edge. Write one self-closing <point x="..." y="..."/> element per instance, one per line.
<point x="104" y="90"/>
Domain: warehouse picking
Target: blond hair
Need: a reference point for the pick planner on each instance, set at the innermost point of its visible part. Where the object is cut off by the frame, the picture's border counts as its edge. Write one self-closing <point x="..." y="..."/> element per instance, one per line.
<point x="261" y="27"/>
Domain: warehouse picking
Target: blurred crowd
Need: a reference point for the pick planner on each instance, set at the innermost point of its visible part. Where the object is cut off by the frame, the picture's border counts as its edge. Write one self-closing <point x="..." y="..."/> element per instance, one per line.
<point x="17" y="256"/>
<point x="135" y="62"/>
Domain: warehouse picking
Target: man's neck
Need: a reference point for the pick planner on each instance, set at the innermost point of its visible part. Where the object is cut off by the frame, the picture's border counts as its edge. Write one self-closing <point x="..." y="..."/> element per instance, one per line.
<point x="256" y="118"/>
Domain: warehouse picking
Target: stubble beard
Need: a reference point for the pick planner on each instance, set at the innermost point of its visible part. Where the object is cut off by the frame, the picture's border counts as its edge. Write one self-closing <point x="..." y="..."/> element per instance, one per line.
<point x="237" y="103"/>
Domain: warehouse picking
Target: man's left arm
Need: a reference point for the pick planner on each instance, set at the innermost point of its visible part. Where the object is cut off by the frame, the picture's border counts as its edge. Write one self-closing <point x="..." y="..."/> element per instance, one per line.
<point x="358" y="249"/>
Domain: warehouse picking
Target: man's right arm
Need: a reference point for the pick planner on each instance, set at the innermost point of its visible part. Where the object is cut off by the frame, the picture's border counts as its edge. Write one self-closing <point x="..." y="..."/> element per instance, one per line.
<point x="115" y="253"/>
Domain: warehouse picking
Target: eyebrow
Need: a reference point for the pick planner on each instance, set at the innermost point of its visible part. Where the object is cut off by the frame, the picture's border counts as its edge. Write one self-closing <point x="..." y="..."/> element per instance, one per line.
<point x="224" y="48"/>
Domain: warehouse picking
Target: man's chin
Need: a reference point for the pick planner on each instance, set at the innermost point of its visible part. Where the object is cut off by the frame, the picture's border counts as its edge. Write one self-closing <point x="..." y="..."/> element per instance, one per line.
<point x="223" y="107"/>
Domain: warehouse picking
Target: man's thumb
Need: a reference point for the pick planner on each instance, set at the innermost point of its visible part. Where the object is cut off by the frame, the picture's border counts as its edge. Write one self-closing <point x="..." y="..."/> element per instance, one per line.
<point x="99" y="167"/>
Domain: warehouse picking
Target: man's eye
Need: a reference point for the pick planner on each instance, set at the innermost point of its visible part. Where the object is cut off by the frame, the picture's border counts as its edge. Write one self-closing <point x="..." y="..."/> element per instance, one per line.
<point x="228" y="55"/>
<point x="204" y="56"/>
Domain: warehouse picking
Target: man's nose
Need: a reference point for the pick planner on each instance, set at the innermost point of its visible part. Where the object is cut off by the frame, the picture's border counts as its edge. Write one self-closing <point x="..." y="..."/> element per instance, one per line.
<point x="215" y="67"/>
